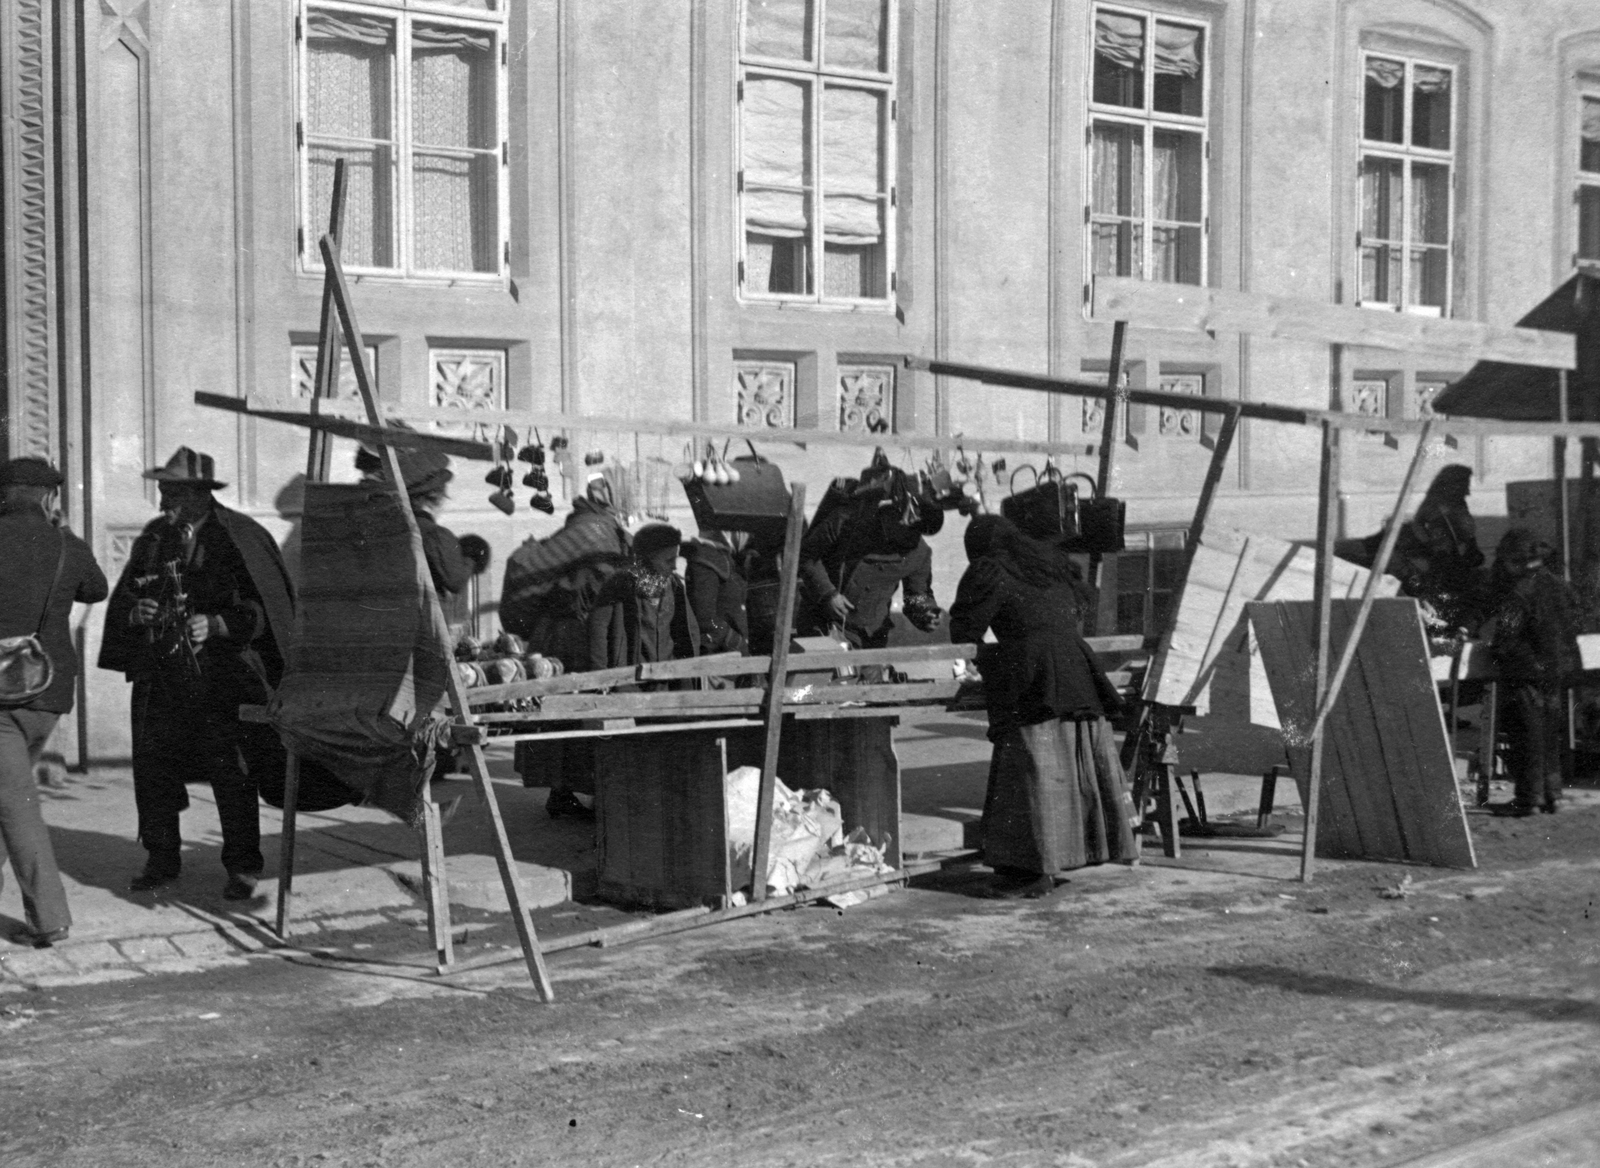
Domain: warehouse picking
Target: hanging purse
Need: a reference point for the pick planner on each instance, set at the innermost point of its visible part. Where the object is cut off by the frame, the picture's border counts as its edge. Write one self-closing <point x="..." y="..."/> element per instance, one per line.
<point x="1046" y="510"/>
<point x="26" y="670"/>
<point x="1100" y="522"/>
<point x="752" y="498"/>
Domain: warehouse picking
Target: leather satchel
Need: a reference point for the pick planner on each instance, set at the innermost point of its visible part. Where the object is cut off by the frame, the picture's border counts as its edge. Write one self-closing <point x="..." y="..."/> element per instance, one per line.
<point x="26" y="670"/>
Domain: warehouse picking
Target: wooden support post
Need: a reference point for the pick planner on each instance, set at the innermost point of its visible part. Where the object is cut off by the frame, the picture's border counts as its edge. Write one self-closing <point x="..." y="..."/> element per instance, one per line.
<point x="1391" y="533"/>
<point x="1327" y="532"/>
<point x="326" y="383"/>
<point x="777" y="678"/>
<point x="1108" y="443"/>
<point x="435" y="887"/>
<point x="291" y="799"/>
<point x="457" y="690"/>
<point x="1208" y="491"/>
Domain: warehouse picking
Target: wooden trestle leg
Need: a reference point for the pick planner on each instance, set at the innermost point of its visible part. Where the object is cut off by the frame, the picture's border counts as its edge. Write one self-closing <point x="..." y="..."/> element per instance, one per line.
<point x="435" y="889"/>
<point x="291" y="800"/>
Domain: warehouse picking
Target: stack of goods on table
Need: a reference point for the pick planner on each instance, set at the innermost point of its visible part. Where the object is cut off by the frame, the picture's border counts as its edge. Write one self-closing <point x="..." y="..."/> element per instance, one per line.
<point x="505" y="658"/>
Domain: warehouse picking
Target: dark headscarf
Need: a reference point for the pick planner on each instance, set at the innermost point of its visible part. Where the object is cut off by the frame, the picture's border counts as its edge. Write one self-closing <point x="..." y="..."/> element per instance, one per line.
<point x="1033" y="561"/>
<point x="1451" y="485"/>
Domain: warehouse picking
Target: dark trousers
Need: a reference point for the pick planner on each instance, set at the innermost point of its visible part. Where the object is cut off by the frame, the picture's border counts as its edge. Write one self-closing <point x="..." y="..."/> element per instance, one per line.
<point x="23" y="834"/>
<point x="1533" y="718"/>
<point x="177" y="740"/>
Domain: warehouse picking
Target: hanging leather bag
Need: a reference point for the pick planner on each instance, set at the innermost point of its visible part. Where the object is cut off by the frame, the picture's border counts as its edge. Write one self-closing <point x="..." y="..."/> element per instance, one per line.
<point x="757" y="502"/>
<point x="1046" y="510"/>
<point x="26" y="670"/>
<point x="1100" y="522"/>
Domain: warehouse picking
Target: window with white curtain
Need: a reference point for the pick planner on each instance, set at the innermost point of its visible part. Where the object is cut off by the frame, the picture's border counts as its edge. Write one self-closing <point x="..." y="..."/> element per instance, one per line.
<point x="816" y="150"/>
<point x="1403" y="247"/>
<point x="1148" y="144"/>
<point x="1587" y="196"/>
<point x="413" y="99"/>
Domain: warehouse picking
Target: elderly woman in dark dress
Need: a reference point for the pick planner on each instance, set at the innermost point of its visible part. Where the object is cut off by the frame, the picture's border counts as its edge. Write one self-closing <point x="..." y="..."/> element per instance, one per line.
<point x="1056" y="797"/>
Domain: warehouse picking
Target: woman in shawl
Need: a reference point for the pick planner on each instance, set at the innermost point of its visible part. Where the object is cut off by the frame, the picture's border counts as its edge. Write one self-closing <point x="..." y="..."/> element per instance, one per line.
<point x="1056" y="797"/>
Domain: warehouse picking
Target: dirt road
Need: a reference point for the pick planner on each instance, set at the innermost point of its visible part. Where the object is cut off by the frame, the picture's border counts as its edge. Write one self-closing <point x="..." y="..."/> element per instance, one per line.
<point x="1153" y="1016"/>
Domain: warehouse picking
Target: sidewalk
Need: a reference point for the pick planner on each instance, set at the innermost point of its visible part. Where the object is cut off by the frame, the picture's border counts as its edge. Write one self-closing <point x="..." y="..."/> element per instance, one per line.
<point x="357" y="869"/>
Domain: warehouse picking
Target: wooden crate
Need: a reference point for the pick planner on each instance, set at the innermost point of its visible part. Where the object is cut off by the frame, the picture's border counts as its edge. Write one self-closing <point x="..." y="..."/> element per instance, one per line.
<point x="663" y="823"/>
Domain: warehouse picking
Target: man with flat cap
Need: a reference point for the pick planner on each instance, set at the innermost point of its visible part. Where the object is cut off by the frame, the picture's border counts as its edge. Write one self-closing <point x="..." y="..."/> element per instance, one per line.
<point x="44" y="568"/>
<point x="200" y="623"/>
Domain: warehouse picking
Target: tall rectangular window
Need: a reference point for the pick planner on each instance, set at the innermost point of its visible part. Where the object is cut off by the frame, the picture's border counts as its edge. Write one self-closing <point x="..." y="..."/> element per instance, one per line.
<point x="1148" y="145"/>
<point x="817" y="110"/>
<point x="414" y="101"/>
<point x="1588" y="193"/>
<point x="1404" y="246"/>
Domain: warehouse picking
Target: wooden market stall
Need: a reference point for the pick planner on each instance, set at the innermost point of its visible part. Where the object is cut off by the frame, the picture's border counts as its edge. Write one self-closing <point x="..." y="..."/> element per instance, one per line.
<point x="1125" y="302"/>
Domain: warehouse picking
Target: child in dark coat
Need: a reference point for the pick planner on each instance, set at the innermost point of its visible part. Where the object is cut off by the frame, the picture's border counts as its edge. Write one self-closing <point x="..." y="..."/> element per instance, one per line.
<point x="642" y="612"/>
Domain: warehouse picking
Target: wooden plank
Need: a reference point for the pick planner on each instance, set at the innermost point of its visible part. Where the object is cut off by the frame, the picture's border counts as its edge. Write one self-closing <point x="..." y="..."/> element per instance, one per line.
<point x="1327" y="531"/>
<point x="788" y="588"/>
<point x="1260" y="411"/>
<point x="1188" y="308"/>
<point x="509" y="876"/>
<point x="291" y="806"/>
<point x="263" y="405"/>
<point x="373" y="433"/>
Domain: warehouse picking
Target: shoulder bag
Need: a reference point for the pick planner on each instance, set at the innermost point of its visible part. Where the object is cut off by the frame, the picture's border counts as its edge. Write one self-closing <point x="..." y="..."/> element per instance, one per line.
<point x="25" y="668"/>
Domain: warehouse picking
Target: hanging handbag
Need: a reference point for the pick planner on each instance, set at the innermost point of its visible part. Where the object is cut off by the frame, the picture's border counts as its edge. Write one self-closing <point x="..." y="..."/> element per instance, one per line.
<point x="1046" y="510"/>
<point x="1100" y="522"/>
<point x="26" y="670"/>
<point x="754" y="498"/>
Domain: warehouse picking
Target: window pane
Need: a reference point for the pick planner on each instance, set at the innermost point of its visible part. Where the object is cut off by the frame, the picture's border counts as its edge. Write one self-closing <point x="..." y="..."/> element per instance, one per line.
<point x="854" y="271"/>
<point x="348" y="75"/>
<point x="1175" y="176"/>
<point x="1179" y="80"/>
<point x="1589" y="140"/>
<point x="455" y="212"/>
<point x="1589" y="223"/>
<point x="1119" y="59"/>
<point x="1175" y="254"/>
<point x="855" y="35"/>
<point x="777" y="264"/>
<point x="852" y="179"/>
<point x="1117" y="183"/>
<point x="1381" y="187"/>
<point x="1430" y="107"/>
<point x="1430" y="203"/>
<point x="452" y="88"/>
<point x="778" y="28"/>
<point x="366" y="239"/>
<point x="1430" y="277"/>
<point x="1385" y="101"/>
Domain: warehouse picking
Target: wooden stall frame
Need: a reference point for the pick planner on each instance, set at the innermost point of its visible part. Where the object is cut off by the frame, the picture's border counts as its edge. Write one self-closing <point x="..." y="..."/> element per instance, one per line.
<point x="1146" y="304"/>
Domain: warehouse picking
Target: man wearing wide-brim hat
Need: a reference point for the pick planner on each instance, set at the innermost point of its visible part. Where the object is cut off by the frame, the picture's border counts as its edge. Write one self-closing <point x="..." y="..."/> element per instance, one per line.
<point x="200" y="623"/>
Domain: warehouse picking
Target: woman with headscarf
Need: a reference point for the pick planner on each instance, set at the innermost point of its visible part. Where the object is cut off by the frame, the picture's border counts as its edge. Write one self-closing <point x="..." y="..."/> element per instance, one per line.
<point x="732" y="579"/>
<point x="1057" y="797"/>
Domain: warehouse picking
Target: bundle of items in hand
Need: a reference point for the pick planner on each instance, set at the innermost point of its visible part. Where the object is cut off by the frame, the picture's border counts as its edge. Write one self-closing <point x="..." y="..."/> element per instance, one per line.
<point x="809" y="846"/>
<point x="505" y="658"/>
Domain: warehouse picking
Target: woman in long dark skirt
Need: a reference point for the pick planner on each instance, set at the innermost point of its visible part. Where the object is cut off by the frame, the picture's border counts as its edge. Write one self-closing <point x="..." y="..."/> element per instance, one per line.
<point x="1056" y="798"/>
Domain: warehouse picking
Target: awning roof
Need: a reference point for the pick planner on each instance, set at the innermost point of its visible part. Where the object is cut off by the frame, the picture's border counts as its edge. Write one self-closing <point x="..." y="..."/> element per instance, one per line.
<point x="1523" y="393"/>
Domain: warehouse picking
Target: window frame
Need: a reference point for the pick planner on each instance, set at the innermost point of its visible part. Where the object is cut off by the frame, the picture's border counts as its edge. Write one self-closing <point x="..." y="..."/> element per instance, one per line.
<point x="1583" y="179"/>
<point x="1407" y="155"/>
<point x="313" y="220"/>
<point x="1149" y="120"/>
<point x="1151" y="537"/>
<point x="819" y="75"/>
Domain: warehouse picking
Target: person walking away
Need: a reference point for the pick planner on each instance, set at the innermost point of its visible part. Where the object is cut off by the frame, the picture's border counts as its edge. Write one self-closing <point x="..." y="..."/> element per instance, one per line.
<point x="44" y="569"/>
<point x="548" y="591"/>
<point x="200" y="623"/>
<point x="1056" y="798"/>
<point x="642" y="613"/>
<point x="1534" y="646"/>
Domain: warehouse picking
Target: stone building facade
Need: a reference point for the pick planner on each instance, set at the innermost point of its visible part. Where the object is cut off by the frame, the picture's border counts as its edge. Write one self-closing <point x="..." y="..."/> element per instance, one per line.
<point x="744" y="212"/>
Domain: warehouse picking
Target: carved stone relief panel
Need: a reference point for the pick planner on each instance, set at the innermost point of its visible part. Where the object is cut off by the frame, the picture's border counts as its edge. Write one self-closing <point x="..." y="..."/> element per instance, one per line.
<point x="866" y="399"/>
<point x="469" y="380"/>
<point x="1179" y="423"/>
<point x="765" y="392"/>
<point x="303" y="372"/>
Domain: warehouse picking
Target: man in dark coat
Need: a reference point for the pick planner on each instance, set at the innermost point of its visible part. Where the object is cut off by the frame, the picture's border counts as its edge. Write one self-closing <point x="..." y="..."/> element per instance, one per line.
<point x="550" y="587"/>
<point x="1535" y="650"/>
<point x="200" y="623"/>
<point x="44" y="568"/>
<point x="857" y="554"/>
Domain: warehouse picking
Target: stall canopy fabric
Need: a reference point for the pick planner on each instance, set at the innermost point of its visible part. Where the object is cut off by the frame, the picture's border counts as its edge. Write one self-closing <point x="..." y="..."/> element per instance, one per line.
<point x="1523" y="393"/>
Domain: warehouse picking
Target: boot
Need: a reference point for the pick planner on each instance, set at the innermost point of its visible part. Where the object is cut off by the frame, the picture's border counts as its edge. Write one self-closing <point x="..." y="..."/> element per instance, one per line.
<point x="164" y="860"/>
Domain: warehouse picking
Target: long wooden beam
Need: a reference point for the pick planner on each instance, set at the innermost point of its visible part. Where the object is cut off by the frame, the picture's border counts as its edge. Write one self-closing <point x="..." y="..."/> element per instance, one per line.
<point x="1264" y="411"/>
<point x="1187" y="308"/>
<point x="326" y="422"/>
<point x="261" y="405"/>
